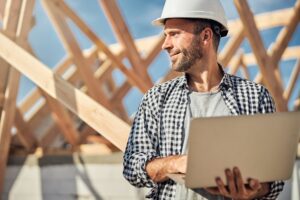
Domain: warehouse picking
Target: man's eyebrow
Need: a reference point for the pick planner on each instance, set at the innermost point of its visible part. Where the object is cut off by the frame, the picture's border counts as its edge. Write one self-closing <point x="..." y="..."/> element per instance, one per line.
<point x="170" y="30"/>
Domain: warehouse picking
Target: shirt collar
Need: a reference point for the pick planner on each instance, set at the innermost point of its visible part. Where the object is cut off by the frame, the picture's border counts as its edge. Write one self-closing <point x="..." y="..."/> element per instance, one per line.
<point x="225" y="82"/>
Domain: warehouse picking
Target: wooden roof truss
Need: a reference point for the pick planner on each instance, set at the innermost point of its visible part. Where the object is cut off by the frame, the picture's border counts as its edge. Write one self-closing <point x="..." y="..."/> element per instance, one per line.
<point x="79" y="97"/>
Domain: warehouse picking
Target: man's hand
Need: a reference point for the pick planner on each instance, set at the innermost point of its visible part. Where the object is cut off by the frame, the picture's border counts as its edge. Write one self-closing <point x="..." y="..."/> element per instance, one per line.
<point x="158" y="169"/>
<point x="236" y="188"/>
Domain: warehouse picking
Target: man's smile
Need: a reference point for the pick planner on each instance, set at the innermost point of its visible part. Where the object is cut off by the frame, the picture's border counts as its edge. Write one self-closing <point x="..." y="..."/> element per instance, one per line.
<point x="174" y="55"/>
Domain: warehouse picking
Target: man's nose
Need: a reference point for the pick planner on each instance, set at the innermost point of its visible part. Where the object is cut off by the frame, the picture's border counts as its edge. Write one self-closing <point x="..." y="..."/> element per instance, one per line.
<point x="167" y="43"/>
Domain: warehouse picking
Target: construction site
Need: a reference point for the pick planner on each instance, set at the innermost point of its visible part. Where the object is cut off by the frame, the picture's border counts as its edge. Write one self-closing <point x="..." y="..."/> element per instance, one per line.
<point x="65" y="138"/>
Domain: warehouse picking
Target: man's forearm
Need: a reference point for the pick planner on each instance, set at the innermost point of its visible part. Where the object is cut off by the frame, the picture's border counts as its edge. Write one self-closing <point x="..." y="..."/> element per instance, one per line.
<point x="158" y="169"/>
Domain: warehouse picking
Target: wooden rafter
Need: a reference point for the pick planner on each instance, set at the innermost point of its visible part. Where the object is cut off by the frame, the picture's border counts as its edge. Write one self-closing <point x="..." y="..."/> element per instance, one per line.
<point x="249" y="59"/>
<point x="122" y="32"/>
<point x="264" y="20"/>
<point x="73" y="48"/>
<point x="7" y="119"/>
<point x="15" y="25"/>
<point x="132" y="77"/>
<point x="1" y="100"/>
<point x="290" y="53"/>
<point x="105" y="59"/>
<point x="2" y="8"/>
<point x="270" y="73"/>
<point x="231" y="47"/>
<point x="24" y="132"/>
<point x="238" y="62"/>
<point x="111" y="127"/>
<point x="245" y="70"/>
<point x="293" y="79"/>
<point x="63" y="120"/>
<point x="277" y="49"/>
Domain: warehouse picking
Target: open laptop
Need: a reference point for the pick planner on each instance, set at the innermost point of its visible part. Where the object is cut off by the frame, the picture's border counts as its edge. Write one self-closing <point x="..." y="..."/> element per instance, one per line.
<point x="263" y="146"/>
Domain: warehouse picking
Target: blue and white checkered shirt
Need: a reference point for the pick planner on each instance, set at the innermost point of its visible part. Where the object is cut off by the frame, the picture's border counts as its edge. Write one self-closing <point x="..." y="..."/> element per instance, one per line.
<point x="157" y="130"/>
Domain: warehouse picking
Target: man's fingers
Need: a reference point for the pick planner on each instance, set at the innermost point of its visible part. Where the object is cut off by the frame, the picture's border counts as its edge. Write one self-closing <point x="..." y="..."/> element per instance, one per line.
<point x="230" y="182"/>
<point x="239" y="180"/>
<point x="221" y="187"/>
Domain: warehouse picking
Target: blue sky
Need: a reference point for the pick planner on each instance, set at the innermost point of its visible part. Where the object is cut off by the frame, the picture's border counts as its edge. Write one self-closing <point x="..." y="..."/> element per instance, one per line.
<point x="138" y="15"/>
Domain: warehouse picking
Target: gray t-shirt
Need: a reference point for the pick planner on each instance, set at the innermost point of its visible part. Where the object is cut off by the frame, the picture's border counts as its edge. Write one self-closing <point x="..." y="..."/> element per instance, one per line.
<point x="201" y="105"/>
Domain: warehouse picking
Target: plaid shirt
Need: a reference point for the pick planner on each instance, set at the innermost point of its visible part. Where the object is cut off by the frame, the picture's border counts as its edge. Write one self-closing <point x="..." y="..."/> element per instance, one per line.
<point x="157" y="130"/>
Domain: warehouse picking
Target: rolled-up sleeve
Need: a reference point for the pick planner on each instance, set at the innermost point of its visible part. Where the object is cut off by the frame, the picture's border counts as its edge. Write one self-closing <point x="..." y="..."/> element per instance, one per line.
<point x="142" y="145"/>
<point x="275" y="189"/>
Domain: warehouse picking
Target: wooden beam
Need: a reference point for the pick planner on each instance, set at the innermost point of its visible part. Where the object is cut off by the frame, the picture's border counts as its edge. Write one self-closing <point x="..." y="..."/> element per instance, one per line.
<point x="3" y="76"/>
<point x="231" y="47"/>
<point x="290" y="53"/>
<point x="7" y="119"/>
<point x="49" y="137"/>
<point x="25" y="20"/>
<point x="104" y="71"/>
<point x="235" y="66"/>
<point x="96" y="139"/>
<point x="99" y="118"/>
<point x="1" y="100"/>
<point x="38" y="122"/>
<point x="277" y="49"/>
<point x="59" y="113"/>
<point x="35" y="95"/>
<point x="63" y="65"/>
<point x="63" y="120"/>
<point x="121" y="30"/>
<point x="264" y="20"/>
<point x="73" y="48"/>
<point x="24" y="133"/>
<point x="12" y="17"/>
<point x="121" y="111"/>
<point x="9" y="26"/>
<point x="155" y="49"/>
<point x="109" y="85"/>
<point x="245" y="70"/>
<point x="293" y="79"/>
<point x="29" y="101"/>
<point x="286" y="34"/>
<point x="270" y="74"/>
<point x="154" y="44"/>
<point x="133" y="78"/>
<point x="2" y="8"/>
<point x="101" y="73"/>
<point x="119" y="94"/>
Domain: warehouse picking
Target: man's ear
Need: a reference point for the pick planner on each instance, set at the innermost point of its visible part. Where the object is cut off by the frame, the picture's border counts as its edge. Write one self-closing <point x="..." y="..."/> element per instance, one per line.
<point x="207" y="35"/>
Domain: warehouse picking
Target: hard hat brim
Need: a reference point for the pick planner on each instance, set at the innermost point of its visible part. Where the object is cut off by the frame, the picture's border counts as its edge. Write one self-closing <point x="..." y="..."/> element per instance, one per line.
<point x="158" y="22"/>
<point x="161" y="22"/>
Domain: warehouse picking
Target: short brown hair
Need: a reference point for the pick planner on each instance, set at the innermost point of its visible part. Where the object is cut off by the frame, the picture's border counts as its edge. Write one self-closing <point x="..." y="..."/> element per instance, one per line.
<point x="201" y="24"/>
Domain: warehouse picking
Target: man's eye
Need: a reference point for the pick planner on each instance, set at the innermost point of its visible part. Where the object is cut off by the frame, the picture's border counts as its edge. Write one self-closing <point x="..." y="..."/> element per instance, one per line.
<point x="173" y="34"/>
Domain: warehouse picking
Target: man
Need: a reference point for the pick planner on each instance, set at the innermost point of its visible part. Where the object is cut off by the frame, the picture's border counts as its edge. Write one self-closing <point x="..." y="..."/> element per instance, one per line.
<point x="157" y="142"/>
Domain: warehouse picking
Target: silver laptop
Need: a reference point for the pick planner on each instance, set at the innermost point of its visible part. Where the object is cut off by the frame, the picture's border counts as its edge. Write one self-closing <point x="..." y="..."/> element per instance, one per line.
<point x="263" y="146"/>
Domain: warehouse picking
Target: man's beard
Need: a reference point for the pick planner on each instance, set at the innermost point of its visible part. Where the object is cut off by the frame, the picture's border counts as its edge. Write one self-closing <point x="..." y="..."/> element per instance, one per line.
<point x="189" y="56"/>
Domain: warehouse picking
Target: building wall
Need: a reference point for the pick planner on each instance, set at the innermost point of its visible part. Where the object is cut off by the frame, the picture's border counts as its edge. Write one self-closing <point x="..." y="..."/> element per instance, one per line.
<point x="68" y="178"/>
<point x="85" y="178"/>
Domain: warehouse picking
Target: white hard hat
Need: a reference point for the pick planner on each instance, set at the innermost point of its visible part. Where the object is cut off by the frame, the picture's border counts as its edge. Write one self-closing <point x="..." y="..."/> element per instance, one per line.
<point x="203" y="9"/>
